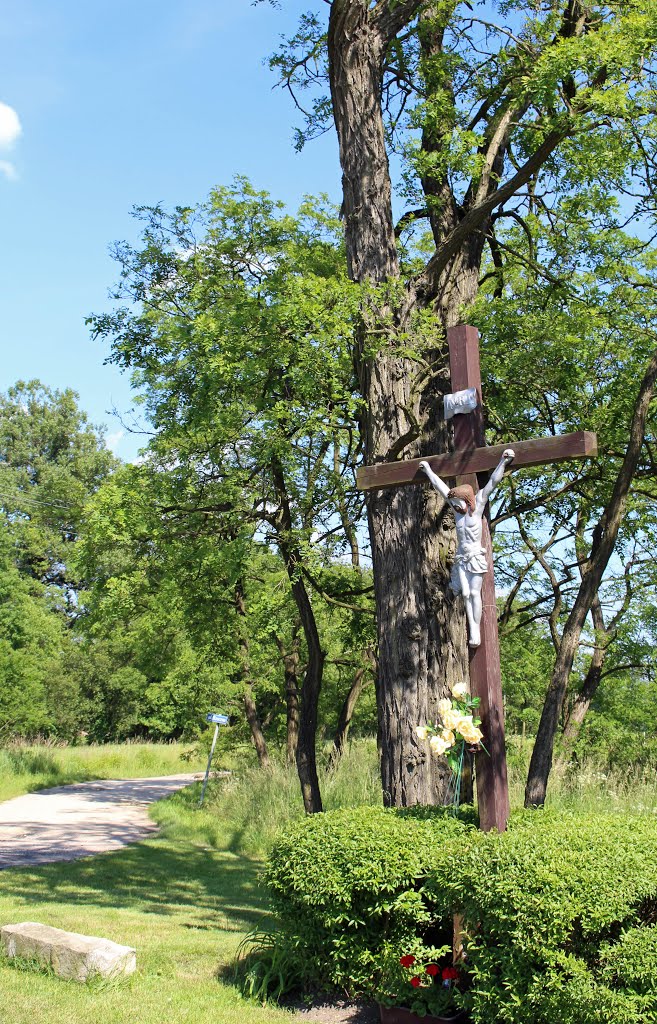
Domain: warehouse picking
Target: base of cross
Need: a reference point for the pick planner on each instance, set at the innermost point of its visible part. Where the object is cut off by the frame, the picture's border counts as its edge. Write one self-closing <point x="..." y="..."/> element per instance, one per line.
<point x="469" y="463"/>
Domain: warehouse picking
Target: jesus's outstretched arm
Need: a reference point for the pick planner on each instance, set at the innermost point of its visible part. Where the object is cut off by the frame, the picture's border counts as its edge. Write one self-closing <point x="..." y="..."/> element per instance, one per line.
<point x="496" y="476"/>
<point x="436" y="482"/>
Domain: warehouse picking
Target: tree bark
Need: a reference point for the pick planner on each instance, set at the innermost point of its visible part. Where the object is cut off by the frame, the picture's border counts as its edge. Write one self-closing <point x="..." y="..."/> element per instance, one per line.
<point x="347" y="711"/>
<point x="312" y="680"/>
<point x="248" y="699"/>
<point x="421" y="629"/>
<point x="257" y="734"/>
<point x="582" y="702"/>
<point x="290" y="659"/>
<point x="605" y="537"/>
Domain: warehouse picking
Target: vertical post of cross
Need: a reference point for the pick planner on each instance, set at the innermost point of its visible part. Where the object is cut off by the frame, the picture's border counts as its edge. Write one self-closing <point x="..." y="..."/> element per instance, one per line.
<point x="485" y="671"/>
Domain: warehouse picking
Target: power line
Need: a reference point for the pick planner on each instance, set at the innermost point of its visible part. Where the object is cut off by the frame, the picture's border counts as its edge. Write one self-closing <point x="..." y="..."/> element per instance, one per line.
<point x="34" y="501"/>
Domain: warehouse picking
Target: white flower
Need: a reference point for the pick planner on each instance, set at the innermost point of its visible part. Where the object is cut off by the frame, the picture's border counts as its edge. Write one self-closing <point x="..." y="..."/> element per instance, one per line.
<point x="451" y="719"/>
<point x="444" y="707"/>
<point x="438" y="745"/>
<point x="472" y="734"/>
<point x="421" y="732"/>
<point x="459" y="691"/>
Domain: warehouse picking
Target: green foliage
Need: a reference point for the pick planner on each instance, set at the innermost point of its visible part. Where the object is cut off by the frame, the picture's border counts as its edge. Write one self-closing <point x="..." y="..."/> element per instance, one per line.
<point x="545" y="906"/>
<point x="266" y="970"/>
<point x="526" y="657"/>
<point x="236" y="329"/>
<point x="348" y="894"/>
<point x="51" y="460"/>
<point x="631" y="962"/>
<point x="459" y="74"/>
<point x="36" y="694"/>
<point x="620" y="730"/>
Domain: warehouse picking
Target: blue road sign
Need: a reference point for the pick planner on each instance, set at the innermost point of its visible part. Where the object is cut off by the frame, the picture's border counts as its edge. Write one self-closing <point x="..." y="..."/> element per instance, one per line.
<point x="217" y="719"/>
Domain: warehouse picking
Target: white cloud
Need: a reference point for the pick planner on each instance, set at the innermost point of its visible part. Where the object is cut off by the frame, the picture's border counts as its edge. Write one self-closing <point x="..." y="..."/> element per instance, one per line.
<point x="9" y="171"/>
<point x="113" y="440"/>
<point x="10" y="126"/>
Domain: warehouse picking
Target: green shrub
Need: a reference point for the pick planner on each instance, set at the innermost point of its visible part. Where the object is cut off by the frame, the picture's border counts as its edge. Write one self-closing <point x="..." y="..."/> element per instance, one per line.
<point x="559" y="911"/>
<point x="556" y="913"/>
<point x="632" y="961"/>
<point x="347" y="889"/>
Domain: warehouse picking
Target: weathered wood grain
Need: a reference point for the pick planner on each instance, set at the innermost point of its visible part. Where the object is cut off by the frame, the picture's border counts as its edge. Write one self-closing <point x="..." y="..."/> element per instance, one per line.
<point x="538" y="452"/>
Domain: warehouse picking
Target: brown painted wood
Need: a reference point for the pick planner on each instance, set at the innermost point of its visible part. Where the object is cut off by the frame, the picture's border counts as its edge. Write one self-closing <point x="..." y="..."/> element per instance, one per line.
<point x="485" y="668"/>
<point x="465" y="372"/>
<point x="538" y="452"/>
<point x="486" y="683"/>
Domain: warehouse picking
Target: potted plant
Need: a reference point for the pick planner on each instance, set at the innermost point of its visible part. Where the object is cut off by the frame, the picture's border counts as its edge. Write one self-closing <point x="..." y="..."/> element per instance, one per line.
<point x="420" y="993"/>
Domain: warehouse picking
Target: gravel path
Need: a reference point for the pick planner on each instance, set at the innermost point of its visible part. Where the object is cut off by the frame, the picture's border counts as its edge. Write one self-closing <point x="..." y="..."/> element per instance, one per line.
<point x="77" y="821"/>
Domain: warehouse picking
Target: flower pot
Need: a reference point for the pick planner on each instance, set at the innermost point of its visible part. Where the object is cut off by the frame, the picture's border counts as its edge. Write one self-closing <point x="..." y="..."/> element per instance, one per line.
<point x="400" y="1015"/>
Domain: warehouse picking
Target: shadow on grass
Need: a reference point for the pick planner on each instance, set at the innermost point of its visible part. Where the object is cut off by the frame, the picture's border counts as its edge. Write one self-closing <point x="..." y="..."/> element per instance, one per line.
<point x="214" y="889"/>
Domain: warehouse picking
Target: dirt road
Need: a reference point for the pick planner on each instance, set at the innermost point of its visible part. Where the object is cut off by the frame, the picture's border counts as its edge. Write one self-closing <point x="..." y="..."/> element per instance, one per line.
<point x="77" y="821"/>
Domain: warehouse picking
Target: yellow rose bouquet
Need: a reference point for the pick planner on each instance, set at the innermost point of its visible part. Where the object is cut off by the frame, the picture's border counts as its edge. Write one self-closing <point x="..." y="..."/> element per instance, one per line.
<point x="457" y="730"/>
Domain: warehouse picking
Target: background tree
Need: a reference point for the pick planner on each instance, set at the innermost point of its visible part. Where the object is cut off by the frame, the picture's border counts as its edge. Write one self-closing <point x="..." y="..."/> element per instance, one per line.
<point x="51" y="460"/>
<point x="236" y="338"/>
<point x="581" y="318"/>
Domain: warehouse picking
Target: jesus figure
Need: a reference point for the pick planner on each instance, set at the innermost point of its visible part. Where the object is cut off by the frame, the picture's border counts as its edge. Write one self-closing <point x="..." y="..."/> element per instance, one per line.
<point x="470" y="562"/>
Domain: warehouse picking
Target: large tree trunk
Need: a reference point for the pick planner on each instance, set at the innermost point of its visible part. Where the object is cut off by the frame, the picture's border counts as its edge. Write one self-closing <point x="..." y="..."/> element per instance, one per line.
<point x="421" y="631"/>
<point x="603" y="545"/>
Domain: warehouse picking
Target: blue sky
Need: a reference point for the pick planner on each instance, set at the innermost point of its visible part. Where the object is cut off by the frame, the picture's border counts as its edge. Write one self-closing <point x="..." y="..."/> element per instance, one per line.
<point x="124" y="103"/>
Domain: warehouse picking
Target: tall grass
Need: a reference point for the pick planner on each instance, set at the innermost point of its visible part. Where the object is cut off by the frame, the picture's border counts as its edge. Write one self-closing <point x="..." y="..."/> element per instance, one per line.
<point x="251" y="806"/>
<point x="254" y="804"/>
<point x="24" y="769"/>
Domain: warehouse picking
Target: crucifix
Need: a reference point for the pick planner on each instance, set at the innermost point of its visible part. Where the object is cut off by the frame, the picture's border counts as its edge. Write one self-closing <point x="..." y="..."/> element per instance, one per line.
<point x="469" y="465"/>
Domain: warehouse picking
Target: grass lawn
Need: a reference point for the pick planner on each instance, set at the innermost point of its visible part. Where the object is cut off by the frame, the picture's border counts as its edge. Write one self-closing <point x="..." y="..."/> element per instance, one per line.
<point x="183" y="899"/>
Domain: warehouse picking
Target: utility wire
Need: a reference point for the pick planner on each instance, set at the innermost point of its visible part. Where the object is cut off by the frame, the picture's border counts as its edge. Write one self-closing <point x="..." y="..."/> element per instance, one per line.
<point x="35" y="501"/>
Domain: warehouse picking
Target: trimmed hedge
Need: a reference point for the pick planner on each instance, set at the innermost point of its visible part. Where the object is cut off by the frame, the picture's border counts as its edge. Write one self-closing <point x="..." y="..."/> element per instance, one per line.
<point x="346" y="889"/>
<point x="558" y="913"/>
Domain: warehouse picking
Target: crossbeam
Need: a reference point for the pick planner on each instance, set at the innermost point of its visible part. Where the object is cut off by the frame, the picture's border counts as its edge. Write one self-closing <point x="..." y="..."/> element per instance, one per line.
<point x="538" y="452"/>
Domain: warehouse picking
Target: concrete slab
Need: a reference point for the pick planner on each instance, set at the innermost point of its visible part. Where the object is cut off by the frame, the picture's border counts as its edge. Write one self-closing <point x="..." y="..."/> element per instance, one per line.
<point x="72" y="956"/>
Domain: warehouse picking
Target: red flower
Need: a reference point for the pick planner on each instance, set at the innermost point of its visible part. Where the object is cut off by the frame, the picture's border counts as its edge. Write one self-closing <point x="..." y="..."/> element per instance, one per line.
<point x="433" y="969"/>
<point x="415" y="982"/>
<point x="450" y="974"/>
<point x="407" y="960"/>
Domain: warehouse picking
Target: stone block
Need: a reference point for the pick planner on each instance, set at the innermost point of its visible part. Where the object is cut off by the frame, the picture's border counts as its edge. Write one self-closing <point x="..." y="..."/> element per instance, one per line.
<point x="70" y="955"/>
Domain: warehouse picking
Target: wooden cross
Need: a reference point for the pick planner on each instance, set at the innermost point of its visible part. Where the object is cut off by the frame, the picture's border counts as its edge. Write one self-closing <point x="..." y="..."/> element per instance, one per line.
<point x="470" y="458"/>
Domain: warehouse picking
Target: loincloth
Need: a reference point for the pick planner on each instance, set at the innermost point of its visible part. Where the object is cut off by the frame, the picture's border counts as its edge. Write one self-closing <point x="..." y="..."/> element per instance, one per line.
<point x="472" y="560"/>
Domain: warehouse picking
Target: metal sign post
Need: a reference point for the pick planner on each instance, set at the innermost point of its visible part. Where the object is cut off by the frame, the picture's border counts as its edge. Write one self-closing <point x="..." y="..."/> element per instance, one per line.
<point x="218" y="720"/>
